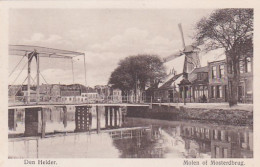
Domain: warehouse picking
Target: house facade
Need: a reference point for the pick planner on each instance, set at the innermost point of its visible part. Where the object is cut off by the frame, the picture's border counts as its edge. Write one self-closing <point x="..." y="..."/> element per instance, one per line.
<point x="194" y="86"/>
<point x="218" y="81"/>
<point x="116" y="95"/>
<point x="210" y="84"/>
<point x="245" y="87"/>
<point x="169" y="91"/>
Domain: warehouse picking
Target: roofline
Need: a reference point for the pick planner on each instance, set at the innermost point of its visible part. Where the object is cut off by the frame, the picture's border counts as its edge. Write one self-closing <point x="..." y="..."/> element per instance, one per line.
<point x="170" y="79"/>
<point x="217" y="61"/>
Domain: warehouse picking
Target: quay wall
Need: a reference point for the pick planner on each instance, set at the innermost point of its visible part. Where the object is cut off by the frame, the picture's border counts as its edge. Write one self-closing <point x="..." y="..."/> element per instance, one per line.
<point x="166" y="112"/>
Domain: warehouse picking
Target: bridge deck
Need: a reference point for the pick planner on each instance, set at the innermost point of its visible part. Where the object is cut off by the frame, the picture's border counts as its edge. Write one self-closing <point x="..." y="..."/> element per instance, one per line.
<point x="81" y="104"/>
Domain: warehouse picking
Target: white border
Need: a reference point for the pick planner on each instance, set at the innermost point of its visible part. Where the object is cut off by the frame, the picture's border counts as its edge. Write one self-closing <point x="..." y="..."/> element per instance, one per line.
<point x="6" y="5"/>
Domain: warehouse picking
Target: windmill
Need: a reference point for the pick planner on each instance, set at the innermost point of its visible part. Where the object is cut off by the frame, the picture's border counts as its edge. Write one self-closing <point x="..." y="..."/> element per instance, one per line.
<point x="190" y="52"/>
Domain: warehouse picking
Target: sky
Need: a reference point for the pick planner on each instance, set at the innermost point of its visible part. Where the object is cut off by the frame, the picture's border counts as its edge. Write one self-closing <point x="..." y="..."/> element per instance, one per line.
<point x="106" y="36"/>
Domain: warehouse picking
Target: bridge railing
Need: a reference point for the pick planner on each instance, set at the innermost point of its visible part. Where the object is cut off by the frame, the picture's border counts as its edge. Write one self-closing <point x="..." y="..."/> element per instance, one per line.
<point x="16" y="100"/>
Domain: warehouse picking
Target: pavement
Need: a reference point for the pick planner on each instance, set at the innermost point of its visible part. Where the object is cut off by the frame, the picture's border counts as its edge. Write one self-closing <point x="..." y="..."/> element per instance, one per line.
<point x="247" y="107"/>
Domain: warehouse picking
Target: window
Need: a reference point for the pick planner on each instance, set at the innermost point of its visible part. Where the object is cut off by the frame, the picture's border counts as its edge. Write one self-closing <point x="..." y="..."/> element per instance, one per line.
<point x="213" y="89"/>
<point x="219" y="92"/>
<point x="206" y="91"/>
<point x="225" y="153"/>
<point x="207" y="132"/>
<point x="241" y="66"/>
<point x="223" y="136"/>
<point x="221" y="71"/>
<point x="199" y="76"/>
<point x="185" y="92"/>
<point x="248" y="64"/>
<point x="201" y="90"/>
<point x="217" y="149"/>
<point x="214" y="72"/>
<point x="196" y="92"/>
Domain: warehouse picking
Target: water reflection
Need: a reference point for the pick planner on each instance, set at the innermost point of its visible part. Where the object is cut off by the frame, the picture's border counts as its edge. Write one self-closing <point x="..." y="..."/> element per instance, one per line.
<point x="121" y="137"/>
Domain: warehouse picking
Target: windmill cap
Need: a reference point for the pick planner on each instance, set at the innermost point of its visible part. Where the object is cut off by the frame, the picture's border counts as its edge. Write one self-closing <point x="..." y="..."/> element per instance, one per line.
<point x="190" y="48"/>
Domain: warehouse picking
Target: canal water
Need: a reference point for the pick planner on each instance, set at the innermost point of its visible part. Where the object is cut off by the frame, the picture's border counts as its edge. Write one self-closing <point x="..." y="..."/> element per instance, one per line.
<point x="128" y="138"/>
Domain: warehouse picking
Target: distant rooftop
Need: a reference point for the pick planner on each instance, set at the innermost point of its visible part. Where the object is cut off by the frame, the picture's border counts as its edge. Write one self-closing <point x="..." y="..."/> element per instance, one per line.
<point x="168" y="84"/>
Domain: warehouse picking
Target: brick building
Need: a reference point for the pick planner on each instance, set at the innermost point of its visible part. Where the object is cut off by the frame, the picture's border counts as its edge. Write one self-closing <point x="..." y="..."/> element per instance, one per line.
<point x="245" y="88"/>
<point x="218" y="81"/>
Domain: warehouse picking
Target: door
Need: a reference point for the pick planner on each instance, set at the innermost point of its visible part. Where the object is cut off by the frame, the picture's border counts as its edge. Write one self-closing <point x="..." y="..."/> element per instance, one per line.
<point x="170" y="95"/>
<point x="240" y="93"/>
<point x="226" y="93"/>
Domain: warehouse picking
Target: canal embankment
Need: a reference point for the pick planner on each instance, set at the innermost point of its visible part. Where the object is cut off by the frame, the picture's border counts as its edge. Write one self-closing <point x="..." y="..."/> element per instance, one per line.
<point x="242" y="114"/>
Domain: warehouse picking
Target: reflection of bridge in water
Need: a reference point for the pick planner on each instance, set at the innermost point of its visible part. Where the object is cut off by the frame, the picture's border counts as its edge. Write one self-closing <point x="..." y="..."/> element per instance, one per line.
<point x="30" y="127"/>
<point x="34" y="147"/>
<point x="35" y="117"/>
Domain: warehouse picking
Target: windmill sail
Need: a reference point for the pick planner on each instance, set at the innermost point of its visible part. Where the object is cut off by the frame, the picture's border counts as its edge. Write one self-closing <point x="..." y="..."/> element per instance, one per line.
<point x="191" y="55"/>
<point x="182" y="37"/>
<point x="172" y="56"/>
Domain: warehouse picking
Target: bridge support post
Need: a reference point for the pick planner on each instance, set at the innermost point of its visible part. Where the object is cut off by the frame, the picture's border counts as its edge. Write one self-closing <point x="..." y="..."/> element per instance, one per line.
<point x="119" y="117"/>
<point x="106" y="116"/>
<point x="111" y="117"/>
<point x="123" y="112"/>
<point x="12" y="119"/>
<point x="43" y="116"/>
<point x="115" y="116"/>
<point x="82" y="118"/>
<point x="98" y="119"/>
<point x="29" y="81"/>
<point x="38" y="79"/>
<point x="33" y="121"/>
<point x="65" y="119"/>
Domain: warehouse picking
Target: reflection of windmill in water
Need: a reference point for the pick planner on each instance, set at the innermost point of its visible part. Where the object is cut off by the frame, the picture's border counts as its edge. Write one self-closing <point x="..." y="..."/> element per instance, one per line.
<point x="191" y="53"/>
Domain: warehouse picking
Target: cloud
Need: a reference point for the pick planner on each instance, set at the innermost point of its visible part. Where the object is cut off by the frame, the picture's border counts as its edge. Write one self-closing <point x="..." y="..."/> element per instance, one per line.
<point x="35" y="37"/>
<point x="137" y="41"/>
<point x="101" y="57"/>
<point x="47" y="41"/>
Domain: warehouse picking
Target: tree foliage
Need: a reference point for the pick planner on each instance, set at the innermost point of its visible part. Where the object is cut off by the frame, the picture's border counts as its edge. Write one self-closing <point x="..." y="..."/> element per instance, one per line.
<point x="226" y="28"/>
<point x="140" y="70"/>
<point x="231" y="29"/>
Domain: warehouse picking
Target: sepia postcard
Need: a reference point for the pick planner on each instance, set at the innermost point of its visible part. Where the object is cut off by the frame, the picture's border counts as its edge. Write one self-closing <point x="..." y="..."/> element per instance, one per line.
<point x="129" y="83"/>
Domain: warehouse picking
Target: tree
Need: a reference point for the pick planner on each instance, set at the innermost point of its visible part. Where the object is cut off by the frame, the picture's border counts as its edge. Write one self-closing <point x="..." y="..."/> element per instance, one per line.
<point x="140" y="70"/>
<point x="232" y="30"/>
